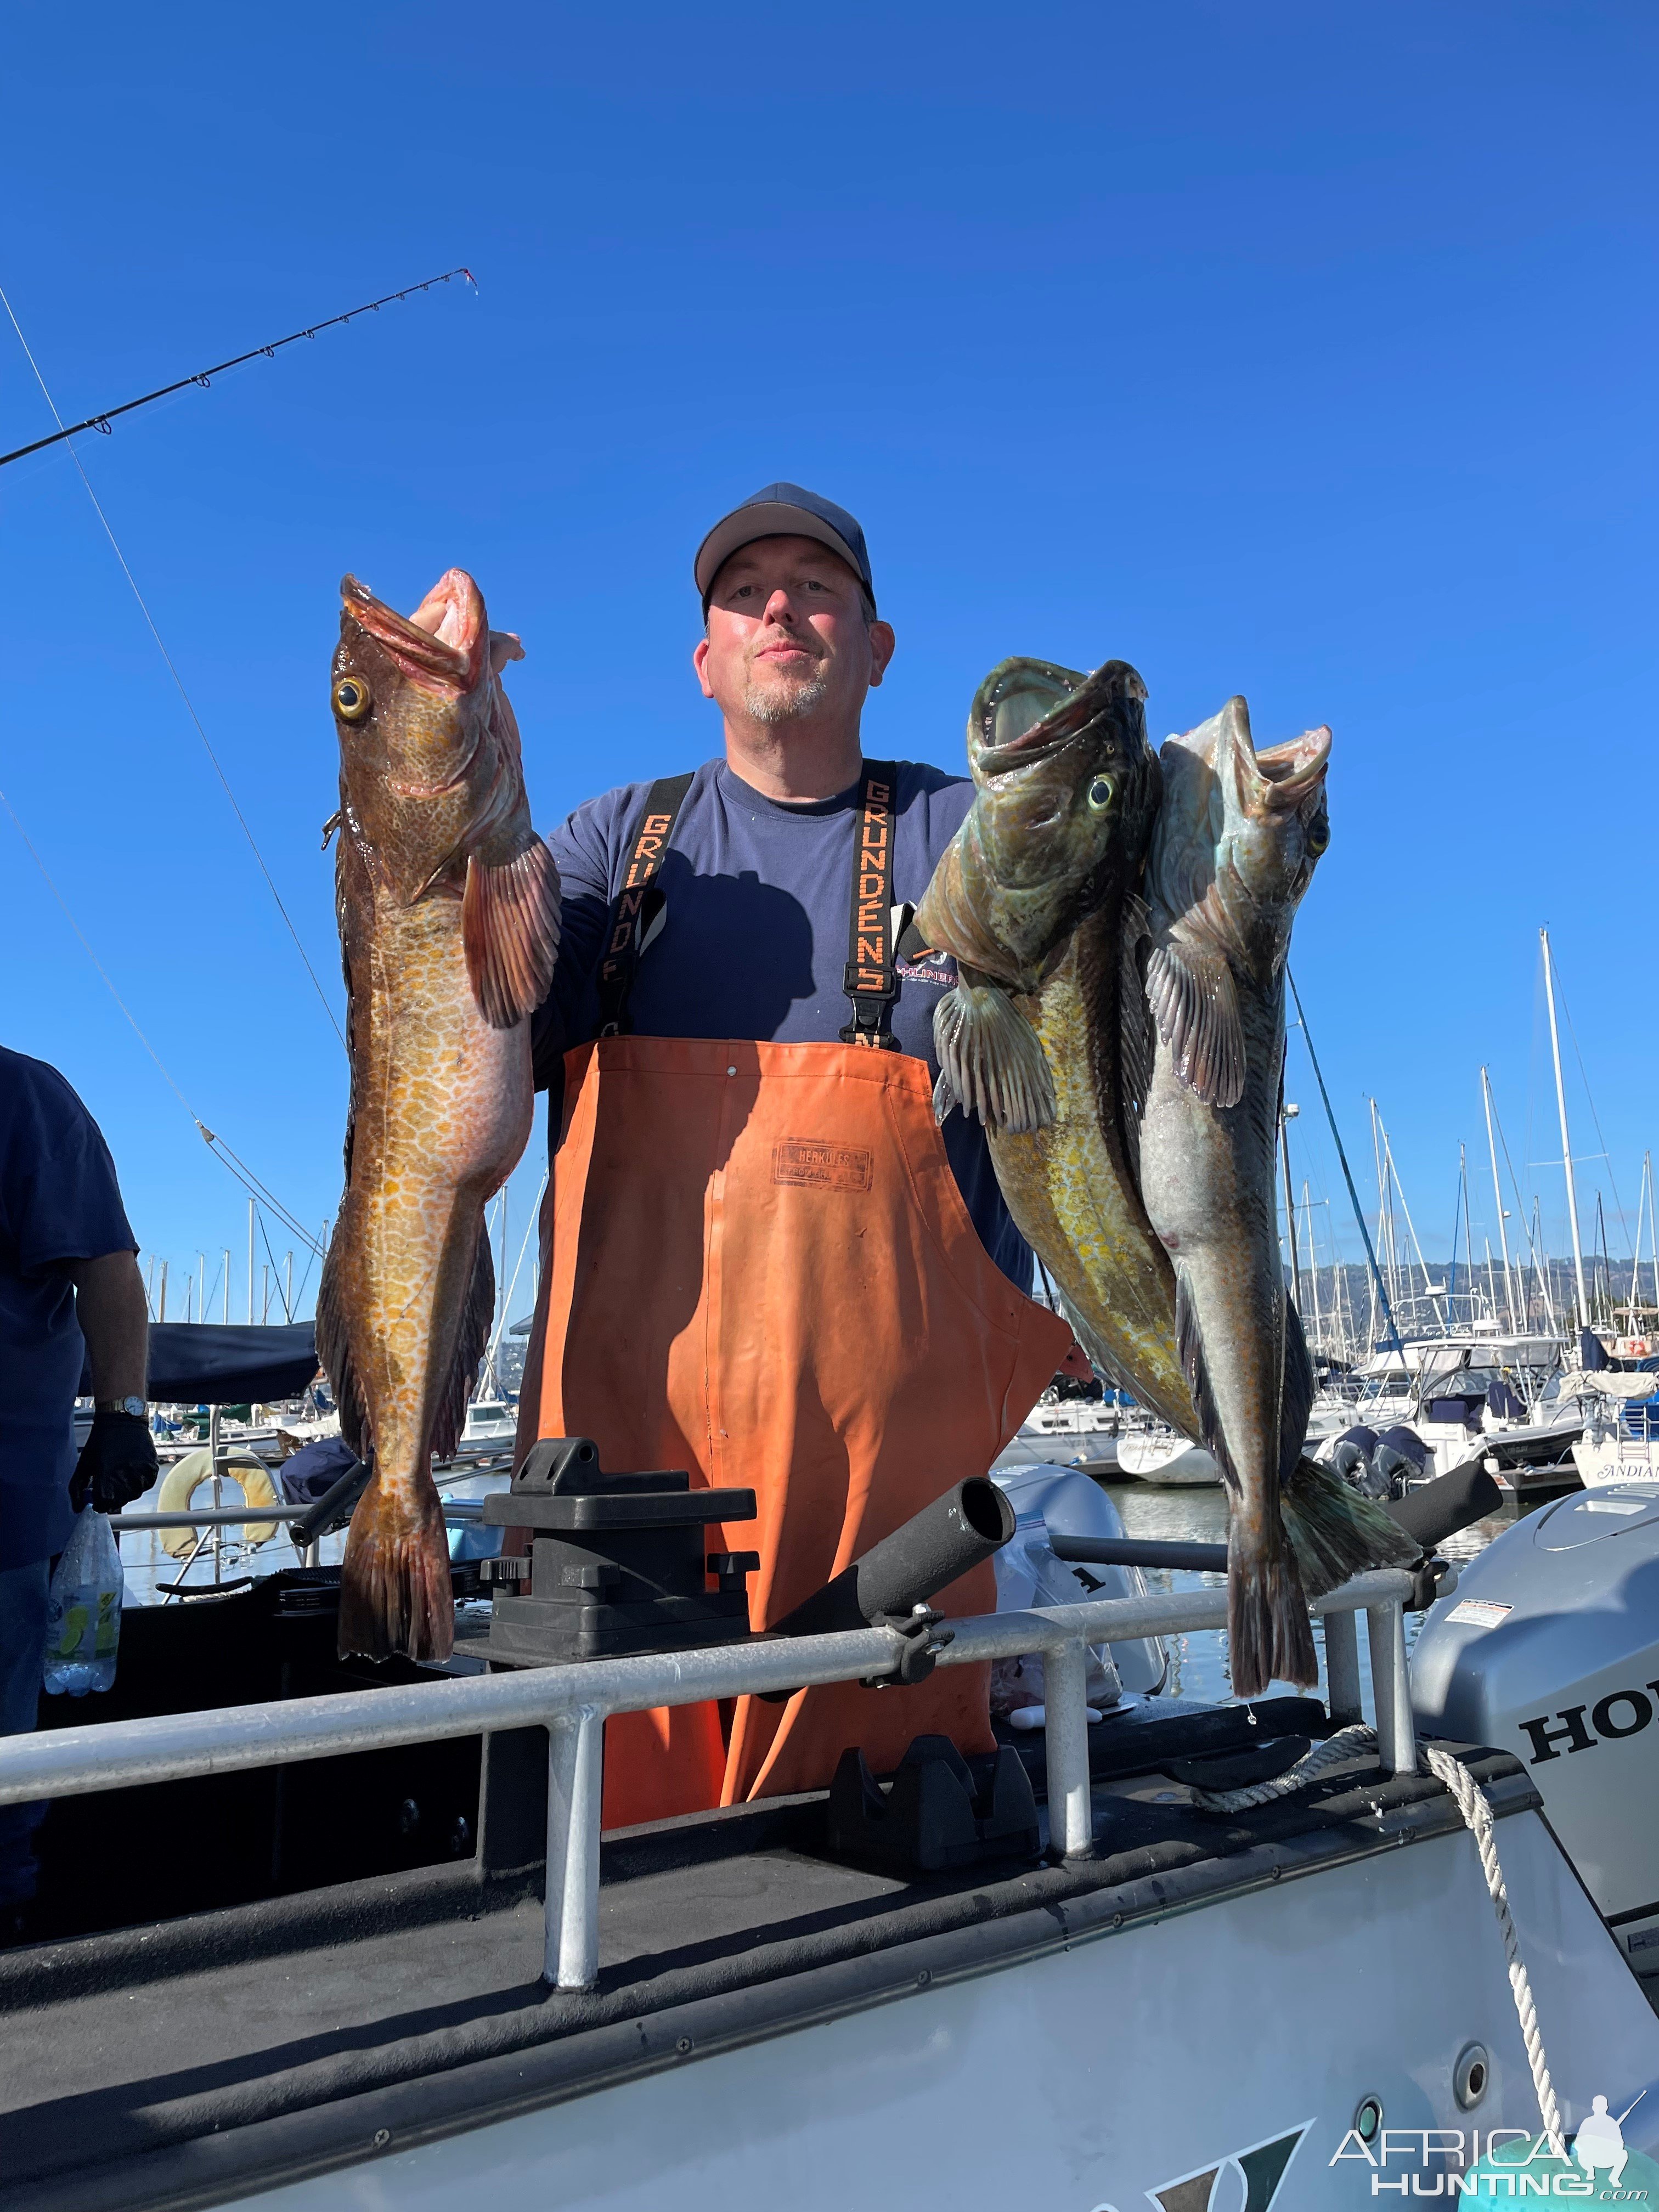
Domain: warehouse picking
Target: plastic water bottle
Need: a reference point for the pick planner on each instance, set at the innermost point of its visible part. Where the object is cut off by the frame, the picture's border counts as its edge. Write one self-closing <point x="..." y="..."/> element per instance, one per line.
<point x="83" y="1611"/>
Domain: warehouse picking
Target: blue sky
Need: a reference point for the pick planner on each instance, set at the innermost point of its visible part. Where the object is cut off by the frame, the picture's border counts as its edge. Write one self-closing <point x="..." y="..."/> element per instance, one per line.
<point x="1296" y="351"/>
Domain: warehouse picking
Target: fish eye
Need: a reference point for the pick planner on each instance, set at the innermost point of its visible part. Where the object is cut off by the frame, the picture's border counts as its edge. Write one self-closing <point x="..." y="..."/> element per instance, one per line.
<point x="352" y="699"/>
<point x="1318" y="836"/>
<point x="1102" y="792"/>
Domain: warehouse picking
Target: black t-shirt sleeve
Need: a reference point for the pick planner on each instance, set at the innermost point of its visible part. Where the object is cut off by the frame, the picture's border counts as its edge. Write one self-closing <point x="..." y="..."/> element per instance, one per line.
<point x="58" y="1191"/>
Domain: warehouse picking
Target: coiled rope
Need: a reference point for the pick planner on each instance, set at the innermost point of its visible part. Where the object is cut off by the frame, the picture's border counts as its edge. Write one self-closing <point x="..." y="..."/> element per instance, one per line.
<point x="1472" y="1803"/>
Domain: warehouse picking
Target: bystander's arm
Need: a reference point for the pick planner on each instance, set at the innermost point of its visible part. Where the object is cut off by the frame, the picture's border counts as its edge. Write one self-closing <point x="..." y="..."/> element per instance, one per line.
<point x="114" y="1318"/>
<point x="117" y="1463"/>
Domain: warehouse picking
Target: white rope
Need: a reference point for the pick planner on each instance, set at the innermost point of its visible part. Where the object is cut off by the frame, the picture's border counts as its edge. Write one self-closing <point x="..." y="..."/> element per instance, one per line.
<point x="1347" y="1743"/>
<point x="1471" y="1802"/>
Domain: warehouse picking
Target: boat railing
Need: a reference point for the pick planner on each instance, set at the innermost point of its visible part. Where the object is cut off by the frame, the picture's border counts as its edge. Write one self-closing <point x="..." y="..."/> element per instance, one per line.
<point x="573" y="1702"/>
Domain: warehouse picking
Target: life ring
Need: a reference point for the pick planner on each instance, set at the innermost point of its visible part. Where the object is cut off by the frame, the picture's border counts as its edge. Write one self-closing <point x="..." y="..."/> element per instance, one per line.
<point x="245" y="1469"/>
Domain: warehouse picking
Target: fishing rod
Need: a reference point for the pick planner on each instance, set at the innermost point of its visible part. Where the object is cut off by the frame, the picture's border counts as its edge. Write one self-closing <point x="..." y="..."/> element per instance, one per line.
<point x="203" y="376"/>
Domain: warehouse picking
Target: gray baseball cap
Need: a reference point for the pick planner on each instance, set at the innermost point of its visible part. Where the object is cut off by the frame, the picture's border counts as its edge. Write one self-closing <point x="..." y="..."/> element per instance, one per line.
<point x="782" y="510"/>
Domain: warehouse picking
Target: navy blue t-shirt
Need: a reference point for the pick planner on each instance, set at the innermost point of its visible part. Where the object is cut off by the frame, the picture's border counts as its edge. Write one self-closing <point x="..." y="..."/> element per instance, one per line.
<point x="758" y="897"/>
<point x="59" y="1202"/>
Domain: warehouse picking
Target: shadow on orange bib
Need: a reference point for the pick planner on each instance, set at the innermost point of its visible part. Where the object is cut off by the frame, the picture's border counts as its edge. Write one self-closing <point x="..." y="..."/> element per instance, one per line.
<point x="757" y="1265"/>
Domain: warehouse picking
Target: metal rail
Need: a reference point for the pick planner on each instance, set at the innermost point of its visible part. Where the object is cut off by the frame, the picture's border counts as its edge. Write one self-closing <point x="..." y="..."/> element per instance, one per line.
<point x="458" y="1509"/>
<point x="573" y="1702"/>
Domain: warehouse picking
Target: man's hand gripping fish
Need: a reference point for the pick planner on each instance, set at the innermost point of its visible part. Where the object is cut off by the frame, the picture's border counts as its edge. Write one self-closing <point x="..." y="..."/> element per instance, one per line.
<point x="449" y="906"/>
<point x="1231" y="856"/>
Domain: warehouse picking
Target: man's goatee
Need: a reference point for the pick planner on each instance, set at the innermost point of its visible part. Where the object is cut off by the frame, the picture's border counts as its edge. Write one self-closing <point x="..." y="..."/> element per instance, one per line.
<point x="762" y="703"/>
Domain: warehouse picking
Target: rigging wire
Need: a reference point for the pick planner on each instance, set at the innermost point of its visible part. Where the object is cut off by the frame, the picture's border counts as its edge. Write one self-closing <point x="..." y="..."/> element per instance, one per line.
<point x="321" y="1246"/>
<point x="1336" y="1135"/>
<point x="1525" y="1217"/>
<point x="202" y="376"/>
<point x="275" y="1272"/>
<point x="221" y="1150"/>
<point x="179" y="680"/>
<point x="1589" y="1099"/>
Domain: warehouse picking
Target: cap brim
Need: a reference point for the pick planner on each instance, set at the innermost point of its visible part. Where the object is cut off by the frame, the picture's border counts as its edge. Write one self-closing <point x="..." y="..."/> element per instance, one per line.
<point x="774" y="520"/>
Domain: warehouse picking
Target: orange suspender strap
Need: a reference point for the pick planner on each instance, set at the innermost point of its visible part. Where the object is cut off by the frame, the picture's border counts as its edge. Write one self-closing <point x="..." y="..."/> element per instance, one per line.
<point x="637" y="903"/>
<point x="871" y="981"/>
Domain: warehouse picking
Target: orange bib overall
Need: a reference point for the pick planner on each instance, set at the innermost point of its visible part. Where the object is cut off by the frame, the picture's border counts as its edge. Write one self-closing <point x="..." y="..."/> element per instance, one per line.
<point x="757" y="1265"/>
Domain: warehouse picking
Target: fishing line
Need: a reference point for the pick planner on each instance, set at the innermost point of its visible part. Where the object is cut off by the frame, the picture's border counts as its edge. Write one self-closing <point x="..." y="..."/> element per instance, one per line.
<point x="178" y="679"/>
<point x="216" y="1145"/>
<point x="202" y="376"/>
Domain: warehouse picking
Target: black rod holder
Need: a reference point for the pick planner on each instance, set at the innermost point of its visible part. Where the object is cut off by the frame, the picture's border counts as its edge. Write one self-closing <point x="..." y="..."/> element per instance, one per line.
<point x="956" y="1532"/>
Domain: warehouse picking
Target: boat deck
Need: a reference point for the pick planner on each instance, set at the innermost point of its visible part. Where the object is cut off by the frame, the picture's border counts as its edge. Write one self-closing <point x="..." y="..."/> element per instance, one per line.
<point x="200" y="2058"/>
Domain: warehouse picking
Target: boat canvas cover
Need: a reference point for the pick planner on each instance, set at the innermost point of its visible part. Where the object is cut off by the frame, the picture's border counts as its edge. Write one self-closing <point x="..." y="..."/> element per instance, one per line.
<point x="1605" y="1384"/>
<point x="204" y="1364"/>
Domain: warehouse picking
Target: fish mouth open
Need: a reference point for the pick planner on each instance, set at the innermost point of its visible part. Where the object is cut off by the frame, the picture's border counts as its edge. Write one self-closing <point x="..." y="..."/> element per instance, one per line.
<point x="1098" y="694"/>
<point x="1279" y="779"/>
<point x="444" y="646"/>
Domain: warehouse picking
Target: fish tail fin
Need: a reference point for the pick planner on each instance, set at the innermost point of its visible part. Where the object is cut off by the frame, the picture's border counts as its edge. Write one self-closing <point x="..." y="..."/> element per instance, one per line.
<point x="395" y="1596"/>
<point x="1335" y="1533"/>
<point x="1269" y="1635"/>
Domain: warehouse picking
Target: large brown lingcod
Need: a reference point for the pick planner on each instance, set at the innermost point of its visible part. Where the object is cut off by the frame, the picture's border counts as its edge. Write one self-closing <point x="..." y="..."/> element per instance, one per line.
<point x="448" y="906"/>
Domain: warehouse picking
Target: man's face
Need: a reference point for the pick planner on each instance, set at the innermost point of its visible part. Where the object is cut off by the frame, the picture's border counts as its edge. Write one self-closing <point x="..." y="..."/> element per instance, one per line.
<point x="788" y="639"/>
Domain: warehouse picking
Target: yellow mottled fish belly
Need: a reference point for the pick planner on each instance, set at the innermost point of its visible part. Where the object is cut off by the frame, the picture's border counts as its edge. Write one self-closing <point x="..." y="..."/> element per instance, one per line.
<point x="1073" y="1201"/>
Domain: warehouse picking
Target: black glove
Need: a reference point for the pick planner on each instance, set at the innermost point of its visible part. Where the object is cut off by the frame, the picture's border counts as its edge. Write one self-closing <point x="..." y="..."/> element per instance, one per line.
<point x="117" y="1463"/>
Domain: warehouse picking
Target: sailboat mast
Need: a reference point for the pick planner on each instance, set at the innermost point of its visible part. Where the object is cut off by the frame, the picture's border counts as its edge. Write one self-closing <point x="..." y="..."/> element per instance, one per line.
<point x="1384" y="1219"/>
<point x="1468" y="1234"/>
<point x="1541" y="1266"/>
<point x="1566" y="1147"/>
<point x="1313" y="1258"/>
<point x="1497" y="1194"/>
<point x="1290" y="1206"/>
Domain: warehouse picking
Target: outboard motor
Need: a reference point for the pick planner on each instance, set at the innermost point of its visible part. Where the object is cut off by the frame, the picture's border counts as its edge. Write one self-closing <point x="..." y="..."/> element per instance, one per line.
<point x="1549" y="1647"/>
<point x="1398" y="1458"/>
<point x="1349" y="1455"/>
<point x="1059" y="1501"/>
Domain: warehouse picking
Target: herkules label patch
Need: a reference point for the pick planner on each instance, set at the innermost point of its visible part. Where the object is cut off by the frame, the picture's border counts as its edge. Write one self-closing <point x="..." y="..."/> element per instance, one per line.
<point x="822" y="1165"/>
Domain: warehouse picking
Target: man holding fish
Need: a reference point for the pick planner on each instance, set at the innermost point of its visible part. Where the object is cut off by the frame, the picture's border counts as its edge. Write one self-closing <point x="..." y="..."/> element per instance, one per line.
<point x="763" y="1259"/>
<point x="773" y="1253"/>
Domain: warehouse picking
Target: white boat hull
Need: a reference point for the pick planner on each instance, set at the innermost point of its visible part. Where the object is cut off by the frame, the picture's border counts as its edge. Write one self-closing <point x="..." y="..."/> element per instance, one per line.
<point x="1093" y="2078"/>
<point x="1170" y="1459"/>
<point x="1614" y="1458"/>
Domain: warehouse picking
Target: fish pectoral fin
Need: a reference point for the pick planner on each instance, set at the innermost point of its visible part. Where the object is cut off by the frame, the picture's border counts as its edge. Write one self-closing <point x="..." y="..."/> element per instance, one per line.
<point x="510" y="930"/>
<point x="1194" y="1002"/>
<point x="990" y="1060"/>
